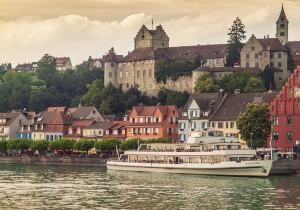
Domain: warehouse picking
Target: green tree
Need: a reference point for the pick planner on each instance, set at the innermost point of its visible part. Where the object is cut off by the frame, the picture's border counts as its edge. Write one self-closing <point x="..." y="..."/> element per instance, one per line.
<point x="171" y="97"/>
<point x="67" y="144"/>
<point x="130" y="144"/>
<point x="40" y="99"/>
<point x="255" y="125"/>
<point x="18" y="144"/>
<point x="54" y="145"/>
<point x="267" y="76"/>
<point x="84" y="145"/>
<point x="107" y="145"/>
<point x="104" y="108"/>
<point x="206" y="84"/>
<point x="238" y="80"/>
<point x="3" y="147"/>
<point x="38" y="83"/>
<point x="39" y="145"/>
<point x="255" y="86"/>
<point x="290" y="62"/>
<point x="158" y="140"/>
<point x="236" y="36"/>
<point x="47" y="70"/>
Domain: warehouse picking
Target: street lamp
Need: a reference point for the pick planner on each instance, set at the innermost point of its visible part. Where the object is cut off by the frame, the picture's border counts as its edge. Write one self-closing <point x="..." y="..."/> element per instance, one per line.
<point x="251" y="143"/>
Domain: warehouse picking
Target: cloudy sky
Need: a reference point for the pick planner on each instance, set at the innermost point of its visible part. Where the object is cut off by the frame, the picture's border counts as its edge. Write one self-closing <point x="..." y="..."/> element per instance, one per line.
<point x="82" y="28"/>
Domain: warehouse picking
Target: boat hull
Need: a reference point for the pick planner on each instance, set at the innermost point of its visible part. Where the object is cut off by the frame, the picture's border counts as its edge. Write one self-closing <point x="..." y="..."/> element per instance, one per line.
<point x="247" y="168"/>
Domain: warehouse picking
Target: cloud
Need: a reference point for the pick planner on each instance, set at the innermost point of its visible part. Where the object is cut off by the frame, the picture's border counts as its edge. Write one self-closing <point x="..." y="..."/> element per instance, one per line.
<point x="91" y="27"/>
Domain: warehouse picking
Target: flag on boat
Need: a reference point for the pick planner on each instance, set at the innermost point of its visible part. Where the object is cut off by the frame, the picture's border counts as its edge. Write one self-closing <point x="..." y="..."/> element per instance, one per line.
<point x="117" y="152"/>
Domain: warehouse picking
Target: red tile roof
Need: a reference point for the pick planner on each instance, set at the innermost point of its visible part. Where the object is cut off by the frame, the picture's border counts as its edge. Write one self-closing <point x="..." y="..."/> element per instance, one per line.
<point x="56" y="109"/>
<point x="61" y="62"/>
<point x="272" y="44"/>
<point x="112" y="57"/>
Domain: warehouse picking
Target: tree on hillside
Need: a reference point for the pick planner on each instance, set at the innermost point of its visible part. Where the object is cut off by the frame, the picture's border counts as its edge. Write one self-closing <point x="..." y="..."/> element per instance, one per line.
<point x="40" y="99"/>
<point x="237" y="80"/>
<point x="47" y="70"/>
<point x="267" y="76"/>
<point x="290" y="62"/>
<point x="171" y="97"/>
<point x="255" y="86"/>
<point x="206" y="84"/>
<point x="255" y="125"/>
<point x="236" y="36"/>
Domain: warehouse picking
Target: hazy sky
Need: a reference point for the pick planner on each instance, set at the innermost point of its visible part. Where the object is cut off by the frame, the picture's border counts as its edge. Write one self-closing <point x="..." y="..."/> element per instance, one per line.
<point x="80" y="28"/>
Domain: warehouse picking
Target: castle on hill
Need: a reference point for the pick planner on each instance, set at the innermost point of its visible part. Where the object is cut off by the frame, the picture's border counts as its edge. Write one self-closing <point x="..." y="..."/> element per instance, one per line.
<point x="138" y="68"/>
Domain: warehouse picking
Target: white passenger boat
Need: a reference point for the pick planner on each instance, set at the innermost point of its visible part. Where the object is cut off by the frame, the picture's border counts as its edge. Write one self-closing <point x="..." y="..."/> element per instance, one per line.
<point x="217" y="158"/>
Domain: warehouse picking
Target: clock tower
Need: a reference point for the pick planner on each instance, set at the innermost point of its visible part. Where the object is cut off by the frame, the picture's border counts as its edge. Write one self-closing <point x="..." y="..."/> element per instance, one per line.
<point x="282" y="28"/>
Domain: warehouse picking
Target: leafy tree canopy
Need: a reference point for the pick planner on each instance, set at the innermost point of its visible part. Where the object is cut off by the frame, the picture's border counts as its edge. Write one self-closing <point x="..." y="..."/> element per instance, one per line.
<point x="255" y="124"/>
<point x="39" y="145"/>
<point x="255" y="86"/>
<point x="206" y="84"/>
<point x="107" y="145"/>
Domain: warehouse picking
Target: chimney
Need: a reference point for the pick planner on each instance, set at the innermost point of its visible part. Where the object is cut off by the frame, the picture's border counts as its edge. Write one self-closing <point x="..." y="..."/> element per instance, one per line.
<point x="237" y="91"/>
<point x="268" y="36"/>
<point x="128" y="52"/>
<point x="55" y="109"/>
<point x="264" y="36"/>
<point x="221" y="93"/>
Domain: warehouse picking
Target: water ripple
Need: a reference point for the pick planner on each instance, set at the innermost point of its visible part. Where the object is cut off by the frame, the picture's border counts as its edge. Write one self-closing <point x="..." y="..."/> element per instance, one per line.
<point x="45" y="187"/>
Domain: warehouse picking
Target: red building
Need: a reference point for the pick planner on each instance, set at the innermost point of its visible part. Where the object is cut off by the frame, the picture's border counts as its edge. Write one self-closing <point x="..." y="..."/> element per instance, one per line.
<point x="148" y="122"/>
<point x="285" y="111"/>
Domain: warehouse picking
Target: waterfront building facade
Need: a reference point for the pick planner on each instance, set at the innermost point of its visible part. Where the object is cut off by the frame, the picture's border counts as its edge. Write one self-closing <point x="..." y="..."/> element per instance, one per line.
<point x="148" y="122"/>
<point x="232" y="106"/>
<point x="285" y="111"/>
<point x="196" y="113"/>
<point x="95" y="130"/>
<point x="10" y="123"/>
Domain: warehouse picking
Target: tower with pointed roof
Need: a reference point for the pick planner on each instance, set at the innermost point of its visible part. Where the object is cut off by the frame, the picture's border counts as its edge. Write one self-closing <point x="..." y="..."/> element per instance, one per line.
<point x="282" y="27"/>
<point x="110" y="69"/>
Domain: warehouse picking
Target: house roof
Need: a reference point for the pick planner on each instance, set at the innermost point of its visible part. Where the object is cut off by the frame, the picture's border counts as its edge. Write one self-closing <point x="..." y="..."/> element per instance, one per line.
<point x="294" y="45"/>
<point x="99" y="125"/>
<point x="56" y="109"/>
<point x="112" y="57"/>
<point x="62" y="62"/>
<point x="149" y="110"/>
<point x="10" y="117"/>
<point x="206" y="101"/>
<point x="177" y="53"/>
<point x="235" y="104"/>
<point x="82" y="112"/>
<point x="271" y="44"/>
<point x="111" y="118"/>
<point x="92" y="64"/>
<point x="82" y="123"/>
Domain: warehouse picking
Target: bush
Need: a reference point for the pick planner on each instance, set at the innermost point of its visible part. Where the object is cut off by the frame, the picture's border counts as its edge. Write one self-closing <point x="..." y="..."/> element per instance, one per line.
<point x="84" y="145"/>
<point x="107" y="145"/>
<point x="18" y="144"/>
<point x="130" y="144"/>
<point x="39" y="145"/>
<point x="3" y="146"/>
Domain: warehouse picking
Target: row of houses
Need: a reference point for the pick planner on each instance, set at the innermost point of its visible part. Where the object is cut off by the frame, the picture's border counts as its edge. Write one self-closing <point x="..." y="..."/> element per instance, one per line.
<point x="206" y="111"/>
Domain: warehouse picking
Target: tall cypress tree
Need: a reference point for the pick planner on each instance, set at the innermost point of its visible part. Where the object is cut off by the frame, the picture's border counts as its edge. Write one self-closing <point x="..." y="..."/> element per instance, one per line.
<point x="236" y="36"/>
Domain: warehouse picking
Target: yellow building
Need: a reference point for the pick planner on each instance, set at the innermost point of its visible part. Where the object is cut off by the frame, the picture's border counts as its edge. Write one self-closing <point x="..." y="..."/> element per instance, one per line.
<point x="233" y="105"/>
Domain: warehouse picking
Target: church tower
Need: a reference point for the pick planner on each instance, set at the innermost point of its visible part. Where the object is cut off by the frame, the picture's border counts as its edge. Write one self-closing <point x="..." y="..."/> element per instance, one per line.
<point x="282" y="28"/>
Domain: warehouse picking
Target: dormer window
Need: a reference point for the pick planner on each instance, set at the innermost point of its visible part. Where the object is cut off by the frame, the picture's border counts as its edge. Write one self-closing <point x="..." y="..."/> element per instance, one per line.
<point x="115" y="132"/>
<point x="36" y="127"/>
<point x="107" y="132"/>
<point x="78" y="131"/>
<point x="42" y="127"/>
<point x="70" y="131"/>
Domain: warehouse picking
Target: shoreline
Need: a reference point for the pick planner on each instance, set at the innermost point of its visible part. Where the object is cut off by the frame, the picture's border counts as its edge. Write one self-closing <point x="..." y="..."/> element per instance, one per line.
<point x="280" y="167"/>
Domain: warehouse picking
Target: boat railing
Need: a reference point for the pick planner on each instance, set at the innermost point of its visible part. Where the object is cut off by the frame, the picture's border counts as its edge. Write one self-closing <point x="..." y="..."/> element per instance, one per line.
<point x="185" y="150"/>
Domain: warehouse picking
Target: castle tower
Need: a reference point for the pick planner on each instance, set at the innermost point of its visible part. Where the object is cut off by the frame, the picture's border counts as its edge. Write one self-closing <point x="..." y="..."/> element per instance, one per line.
<point x="282" y="28"/>
<point x="110" y="69"/>
<point x="151" y="38"/>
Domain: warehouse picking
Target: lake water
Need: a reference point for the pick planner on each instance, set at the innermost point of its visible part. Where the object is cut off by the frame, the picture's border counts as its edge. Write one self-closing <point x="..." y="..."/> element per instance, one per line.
<point x="46" y="187"/>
